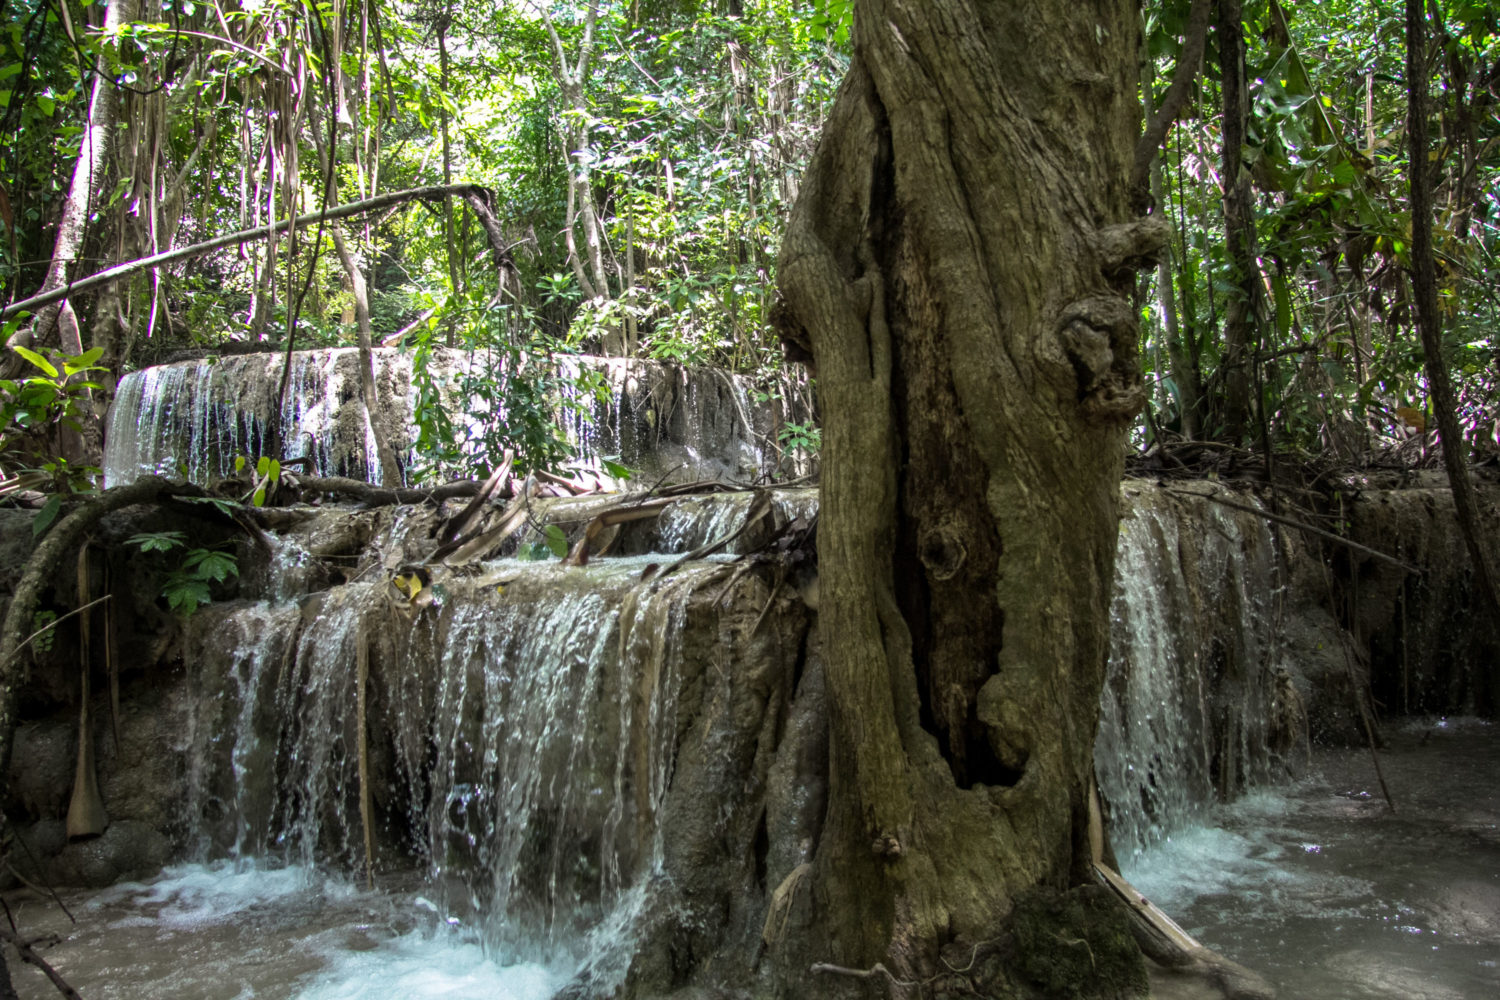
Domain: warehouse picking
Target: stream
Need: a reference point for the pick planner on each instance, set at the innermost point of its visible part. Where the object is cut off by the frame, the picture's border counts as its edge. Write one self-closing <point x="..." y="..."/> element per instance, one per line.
<point x="1322" y="889"/>
<point x="1316" y="885"/>
<point x="233" y="932"/>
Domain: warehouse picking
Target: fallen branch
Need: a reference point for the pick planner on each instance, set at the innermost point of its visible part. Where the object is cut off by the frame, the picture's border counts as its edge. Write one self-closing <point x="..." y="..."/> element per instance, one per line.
<point x="385" y="496"/>
<point x="759" y="508"/>
<point x="432" y="193"/>
<point x="30" y="957"/>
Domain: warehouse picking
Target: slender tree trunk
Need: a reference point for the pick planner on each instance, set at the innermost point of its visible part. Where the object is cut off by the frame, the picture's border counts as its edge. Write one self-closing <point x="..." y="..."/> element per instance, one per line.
<point x="389" y="473"/>
<point x="83" y="191"/>
<point x="1429" y="321"/>
<point x="961" y="265"/>
<point x="449" y="320"/>
<point x="1239" y="227"/>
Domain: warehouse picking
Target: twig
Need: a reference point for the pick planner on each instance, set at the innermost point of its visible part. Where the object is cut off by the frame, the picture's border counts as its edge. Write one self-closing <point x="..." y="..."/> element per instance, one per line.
<point x="1299" y="525"/>
<point x="29" y="956"/>
<point x="40" y="890"/>
<point x="59" y="620"/>
<point x="873" y="972"/>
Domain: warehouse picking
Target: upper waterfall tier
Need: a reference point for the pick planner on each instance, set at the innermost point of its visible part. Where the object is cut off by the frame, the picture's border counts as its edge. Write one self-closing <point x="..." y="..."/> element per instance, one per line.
<point x="193" y="418"/>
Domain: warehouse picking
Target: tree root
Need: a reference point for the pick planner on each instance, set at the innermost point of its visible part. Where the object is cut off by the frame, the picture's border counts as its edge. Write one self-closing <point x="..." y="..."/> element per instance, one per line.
<point x="63" y="539"/>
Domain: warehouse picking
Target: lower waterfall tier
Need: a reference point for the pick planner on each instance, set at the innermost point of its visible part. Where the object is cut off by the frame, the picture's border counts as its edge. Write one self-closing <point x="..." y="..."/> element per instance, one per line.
<point x="555" y="753"/>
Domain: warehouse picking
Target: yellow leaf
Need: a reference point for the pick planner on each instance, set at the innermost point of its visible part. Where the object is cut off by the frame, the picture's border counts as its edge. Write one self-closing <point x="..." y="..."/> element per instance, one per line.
<point x="1413" y="418"/>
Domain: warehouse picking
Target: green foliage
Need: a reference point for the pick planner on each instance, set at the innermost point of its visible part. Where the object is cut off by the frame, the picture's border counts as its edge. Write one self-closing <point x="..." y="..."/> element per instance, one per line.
<point x="37" y="410"/>
<point x="493" y="394"/>
<point x="1336" y="355"/>
<point x="188" y="584"/>
<point x="41" y="627"/>
<point x="801" y="437"/>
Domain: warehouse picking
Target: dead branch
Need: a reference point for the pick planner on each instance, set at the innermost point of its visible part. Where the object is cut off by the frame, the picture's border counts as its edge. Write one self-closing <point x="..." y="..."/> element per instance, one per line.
<point x="382" y="496"/>
<point x="29" y="955"/>
<point x="1300" y="526"/>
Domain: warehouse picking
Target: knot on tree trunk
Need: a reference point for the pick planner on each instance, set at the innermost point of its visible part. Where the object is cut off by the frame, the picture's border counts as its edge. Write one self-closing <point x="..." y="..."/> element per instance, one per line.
<point x="1129" y="247"/>
<point x="1098" y="336"/>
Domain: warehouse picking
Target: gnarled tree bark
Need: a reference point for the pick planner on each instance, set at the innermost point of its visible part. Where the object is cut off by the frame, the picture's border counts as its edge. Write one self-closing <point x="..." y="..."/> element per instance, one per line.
<point x="960" y="264"/>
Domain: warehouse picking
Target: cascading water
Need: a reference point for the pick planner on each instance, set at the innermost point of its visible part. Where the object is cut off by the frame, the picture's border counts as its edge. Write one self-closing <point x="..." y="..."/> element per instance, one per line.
<point x="195" y="418"/>
<point x="527" y="726"/>
<point x="1184" y="716"/>
<point x="522" y="731"/>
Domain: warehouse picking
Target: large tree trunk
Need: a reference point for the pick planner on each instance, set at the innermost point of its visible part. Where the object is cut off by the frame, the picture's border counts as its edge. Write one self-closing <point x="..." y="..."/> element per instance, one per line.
<point x="960" y="265"/>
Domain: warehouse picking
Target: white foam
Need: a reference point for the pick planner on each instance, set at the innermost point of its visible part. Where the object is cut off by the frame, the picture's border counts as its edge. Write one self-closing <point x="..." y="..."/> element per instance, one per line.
<point x="425" y="966"/>
<point x="192" y="896"/>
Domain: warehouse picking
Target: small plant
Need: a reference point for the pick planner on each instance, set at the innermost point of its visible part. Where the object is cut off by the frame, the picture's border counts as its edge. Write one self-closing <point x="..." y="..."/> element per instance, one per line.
<point x="554" y="543"/>
<point x="36" y="411"/>
<point x="267" y="475"/>
<point x="801" y="437"/>
<point x="41" y="628"/>
<point x="188" y="585"/>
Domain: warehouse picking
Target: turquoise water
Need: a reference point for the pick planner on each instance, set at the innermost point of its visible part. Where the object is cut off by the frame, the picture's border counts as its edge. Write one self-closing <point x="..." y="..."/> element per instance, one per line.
<point x="1325" y="891"/>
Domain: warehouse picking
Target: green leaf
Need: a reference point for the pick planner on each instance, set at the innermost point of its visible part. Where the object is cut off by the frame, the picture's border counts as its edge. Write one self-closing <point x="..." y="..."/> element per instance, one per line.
<point x="533" y="552"/>
<point x="556" y="541"/>
<point x="157" y="541"/>
<point x="36" y="359"/>
<point x="263" y="466"/>
<point x="84" y="361"/>
<point x="617" y="470"/>
<point x="184" y="595"/>
<point x="47" y="515"/>
<point x="225" y="507"/>
<point x="216" y="566"/>
<point x="258" y="498"/>
<point x="239" y="463"/>
<point x="274" y="471"/>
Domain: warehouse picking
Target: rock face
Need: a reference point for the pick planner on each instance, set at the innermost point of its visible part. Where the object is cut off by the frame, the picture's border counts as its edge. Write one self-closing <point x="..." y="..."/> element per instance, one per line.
<point x="193" y="418"/>
<point x="588" y="747"/>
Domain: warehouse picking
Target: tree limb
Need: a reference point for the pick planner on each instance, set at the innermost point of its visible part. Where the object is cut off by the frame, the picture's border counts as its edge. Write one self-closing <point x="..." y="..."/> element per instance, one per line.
<point x="1189" y="61"/>
<point x="384" y="496"/>
<point x="375" y="204"/>
<point x="29" y="955"/>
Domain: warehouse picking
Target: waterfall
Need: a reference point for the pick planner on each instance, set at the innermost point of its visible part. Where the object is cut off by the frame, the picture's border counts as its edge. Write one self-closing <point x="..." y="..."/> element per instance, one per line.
<point x="192" y="419"/>
<point x="1193" y="651"/>
<point x="521" y="732"/>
